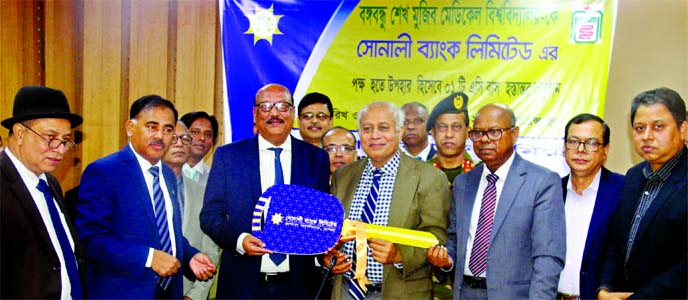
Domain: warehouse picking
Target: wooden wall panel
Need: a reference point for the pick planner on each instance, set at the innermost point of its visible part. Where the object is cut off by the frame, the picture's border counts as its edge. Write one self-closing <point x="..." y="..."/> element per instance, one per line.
<point x="103" y="106"/>
<point x="148" y="48"/>
<point x="62" y="71"/>
<point x="195" y="63"/>
<point x="11" y="60"/>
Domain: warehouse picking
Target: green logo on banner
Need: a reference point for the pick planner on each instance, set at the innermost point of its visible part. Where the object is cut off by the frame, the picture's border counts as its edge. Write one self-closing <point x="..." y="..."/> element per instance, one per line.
<point x="586" y="27"/>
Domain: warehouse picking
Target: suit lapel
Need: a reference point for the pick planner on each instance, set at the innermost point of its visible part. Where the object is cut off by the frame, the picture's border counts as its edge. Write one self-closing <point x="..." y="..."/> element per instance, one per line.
<point x="470" y="191"/>
<point x="24" y="197"/>
<point x="347" y="184"/>
<point x="405" y="185"/>
<point x="252" y="171"/>
<point x="138" y="183"/>
<point x="601" y="211"/>
<point x="513" y="183"/>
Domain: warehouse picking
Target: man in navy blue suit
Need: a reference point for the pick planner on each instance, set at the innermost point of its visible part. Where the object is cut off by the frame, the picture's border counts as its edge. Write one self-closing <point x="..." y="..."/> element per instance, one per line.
<point x="591" y="194"/>
<point x="648" y="242"/>
<point x="241" y="172"/>
<point x="129" y="219"/>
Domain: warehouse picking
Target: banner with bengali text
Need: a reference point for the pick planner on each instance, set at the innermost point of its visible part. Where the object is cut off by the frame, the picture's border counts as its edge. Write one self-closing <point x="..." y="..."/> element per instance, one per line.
<point x="548" y="60"/>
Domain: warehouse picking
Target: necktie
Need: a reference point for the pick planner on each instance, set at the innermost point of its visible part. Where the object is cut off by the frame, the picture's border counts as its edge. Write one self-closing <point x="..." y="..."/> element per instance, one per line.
<point x="368" y="215"/>
<point x="278" y="258"/>
<point x="161" y="221"/>
<point x="481" y="242"/>
<point x="67" y="252"/>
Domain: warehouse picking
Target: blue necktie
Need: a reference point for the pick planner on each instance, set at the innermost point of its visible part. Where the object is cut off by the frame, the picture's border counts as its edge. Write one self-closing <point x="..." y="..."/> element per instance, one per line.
<point x="278" y="258"/>
<point x="161" y="221"/>
<point x="367" y="216"/>
<point x="67" y="252"/>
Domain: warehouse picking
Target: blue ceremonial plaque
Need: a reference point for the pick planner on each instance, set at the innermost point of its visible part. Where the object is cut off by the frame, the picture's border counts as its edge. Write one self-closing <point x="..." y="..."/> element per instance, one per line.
<point x="293" y="219"/>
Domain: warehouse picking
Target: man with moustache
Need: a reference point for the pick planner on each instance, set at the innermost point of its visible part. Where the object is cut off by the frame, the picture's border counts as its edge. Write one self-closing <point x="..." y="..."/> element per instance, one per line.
<point x="340" y="144"/>
<point x="315" y="117"/>
<point x="648" y="241"/>
<point x="241" y="172"/>
<point x="203" y="129"/>
<point x="190" y="197"/>
<point x="388" y="188"/>
<point x="129" y="219"/>
<point x="448" y="124"/>
<point x="591" y="194"/>
<point x="41" y="257"/>
<point x="415" y="136"/>
<point x="507" y="235"/>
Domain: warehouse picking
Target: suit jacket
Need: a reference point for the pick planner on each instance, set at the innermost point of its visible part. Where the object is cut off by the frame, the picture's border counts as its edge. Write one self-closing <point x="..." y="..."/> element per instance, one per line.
<point x="230" y="198"/>
<point x="608" y="196"/>
<point x="191" y="228"/>
<point x="30" y="266"/>
<point x="656" y="267"/>
<point x="420" y="201"/>
<point x="528" y="240"/>
<point x="116" y="224"/>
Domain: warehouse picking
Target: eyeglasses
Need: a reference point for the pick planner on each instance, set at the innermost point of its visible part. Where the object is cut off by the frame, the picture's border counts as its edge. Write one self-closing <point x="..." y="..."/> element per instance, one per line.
<point x="197" y="134"/>
<point x="342" y="148"/>
<point x="53" y="143"/>
<point x="442" y="128"/>
<point x="309" y="116"/>
<point x="267" y="106"/>
<point x="492" y="134"/>
<point x="589" y="145"/>
<point x="185" y="138"/>
<point x="416" y="122"/>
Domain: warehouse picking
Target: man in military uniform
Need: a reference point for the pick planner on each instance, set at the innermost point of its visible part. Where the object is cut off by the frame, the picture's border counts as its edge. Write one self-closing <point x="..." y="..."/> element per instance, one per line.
<point x="449" y="126"/>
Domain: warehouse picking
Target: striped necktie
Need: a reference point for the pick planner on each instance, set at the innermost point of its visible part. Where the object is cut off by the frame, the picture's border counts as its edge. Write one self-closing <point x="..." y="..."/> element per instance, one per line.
<point x="481" y="242"/>
<point x="161" y="221"/>
<point x="368" y="216"/>
<point x="65" y="246"/>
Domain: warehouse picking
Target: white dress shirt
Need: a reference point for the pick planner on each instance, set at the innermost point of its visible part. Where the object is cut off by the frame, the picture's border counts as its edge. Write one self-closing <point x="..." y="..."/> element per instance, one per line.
<point x="31" y="182"/>
<point x="578" y="210"/>
<point x="145" y="165"/>
<point x="502" y="172"/>
<point x="266" y="159"/>
<point x="423" y="155"/>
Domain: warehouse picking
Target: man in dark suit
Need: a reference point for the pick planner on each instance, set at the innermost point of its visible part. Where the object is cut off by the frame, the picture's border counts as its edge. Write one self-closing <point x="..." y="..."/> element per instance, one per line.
<point x="129" y="219"/>
<point x="415" y="136"/>
<point x="41" y="256"/>
<point x="241" y="172"/>
<point x="507" y="234"/>
<point x="408" y="194"/>
<point x="648" y="243"/>
<point x="591" y="194"/>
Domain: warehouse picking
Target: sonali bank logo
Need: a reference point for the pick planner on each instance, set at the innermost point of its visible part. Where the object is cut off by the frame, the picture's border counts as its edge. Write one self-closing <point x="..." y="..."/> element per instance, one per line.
<point x="586" y="26"/>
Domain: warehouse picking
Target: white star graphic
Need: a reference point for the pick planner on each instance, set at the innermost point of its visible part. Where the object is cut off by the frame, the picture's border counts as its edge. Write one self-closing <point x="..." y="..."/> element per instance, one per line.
<point x="263" y="24"/>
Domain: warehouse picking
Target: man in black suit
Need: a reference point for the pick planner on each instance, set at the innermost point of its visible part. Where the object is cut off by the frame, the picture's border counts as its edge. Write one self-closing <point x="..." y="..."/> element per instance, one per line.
<point x="41" y="257"/>
<point x="646" y="257"/>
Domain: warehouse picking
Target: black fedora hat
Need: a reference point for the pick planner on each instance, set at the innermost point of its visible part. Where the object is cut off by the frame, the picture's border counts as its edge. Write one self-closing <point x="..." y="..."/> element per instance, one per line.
<point x="38" y="102"/>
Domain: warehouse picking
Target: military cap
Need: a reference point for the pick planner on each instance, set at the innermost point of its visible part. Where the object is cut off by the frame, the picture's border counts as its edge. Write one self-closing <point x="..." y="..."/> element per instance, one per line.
<point x="452" y="104"/>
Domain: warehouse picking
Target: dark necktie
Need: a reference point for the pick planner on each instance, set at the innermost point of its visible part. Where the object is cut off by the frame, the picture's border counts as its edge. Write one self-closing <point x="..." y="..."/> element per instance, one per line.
<point x="278" y="258"/>
<point x="67" y="252"/>
<point x="161" y="221"/>
<point x="481" y="242"/>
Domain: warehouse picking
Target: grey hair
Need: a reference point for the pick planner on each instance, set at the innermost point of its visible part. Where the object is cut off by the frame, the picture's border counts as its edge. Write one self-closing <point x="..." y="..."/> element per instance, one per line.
<point x="398" y="116"/>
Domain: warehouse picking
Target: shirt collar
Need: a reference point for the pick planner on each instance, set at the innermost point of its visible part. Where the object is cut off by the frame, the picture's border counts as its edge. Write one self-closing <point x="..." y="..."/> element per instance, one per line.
<point x="263" y="144"/>
<point x="503" y="170"/>
<point x="594" y="185"/>
<point x="29" y="178"/>
<point x="388" y="168"/>
<point x="145" y="164"/>
<point x="664" y="171"/>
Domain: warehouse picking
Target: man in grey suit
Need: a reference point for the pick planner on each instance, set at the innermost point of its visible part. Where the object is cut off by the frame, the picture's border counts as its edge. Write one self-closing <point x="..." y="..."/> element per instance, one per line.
<point x="507" y="233"/>
<point x="191" y="201"/>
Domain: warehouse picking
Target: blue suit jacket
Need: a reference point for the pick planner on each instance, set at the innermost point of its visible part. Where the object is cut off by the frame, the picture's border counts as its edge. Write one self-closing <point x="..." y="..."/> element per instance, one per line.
<point x="116" y="224"/>
<point x="528" y="241"/>
<point x="608" y="196"/>
<point x="230" y="198"/>
<point x="656" y="268"/>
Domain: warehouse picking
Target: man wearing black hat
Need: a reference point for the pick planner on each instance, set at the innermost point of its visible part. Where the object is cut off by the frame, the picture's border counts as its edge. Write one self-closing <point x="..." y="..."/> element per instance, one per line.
<point x="448" y="123"/>
<point x="40" y="253"/>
